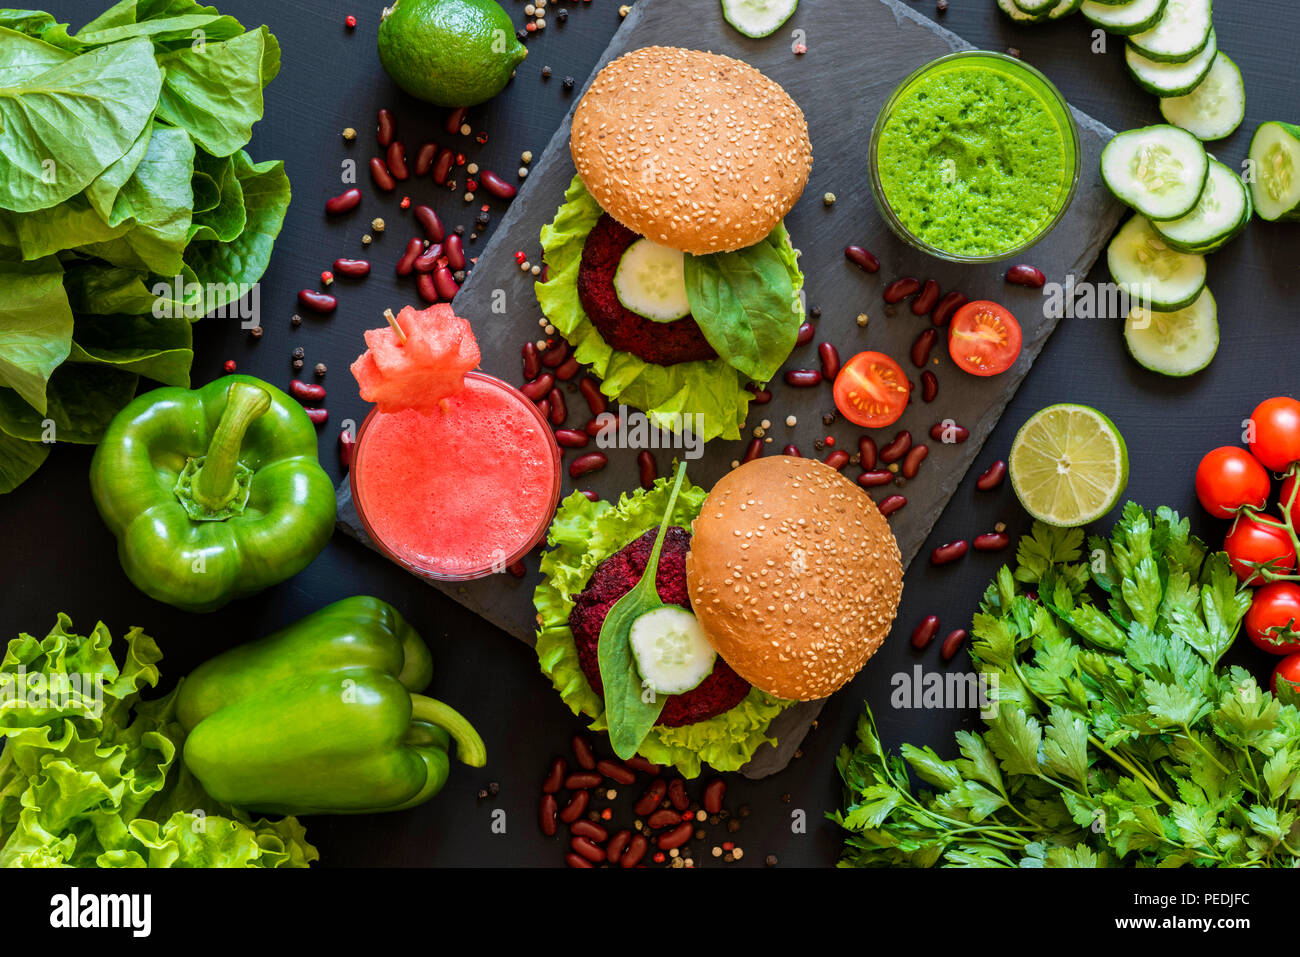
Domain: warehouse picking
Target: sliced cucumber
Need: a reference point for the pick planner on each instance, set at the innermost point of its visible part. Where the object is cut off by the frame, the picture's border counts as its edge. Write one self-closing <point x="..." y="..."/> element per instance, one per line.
<point x="651" y="281"/>
<point x="1158" y="170"/>
<point x="1222" y="212"/>
<point x="1178" y="343"/>
<point x="1135" y="16"/>
<point x="1036" y="8"/>
<point x="671" y="651"/>
<point x="1171" y="79"/>
<point x="1215" y="108"/>
<point x="1015" y="13"/>
<point x="1182" y="32"/>
<point x="1275" y="158"/>
<point x="1153" y="273"/>
<point x="758" y="18"/>
<point x="1064" y="9"/>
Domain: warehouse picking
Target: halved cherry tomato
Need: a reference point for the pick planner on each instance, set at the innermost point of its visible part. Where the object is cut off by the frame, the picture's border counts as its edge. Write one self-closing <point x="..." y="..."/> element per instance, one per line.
<point x="1251" y="543"/>
<point x="1277" y="433"/>
<point x="984" y="338"/>
<point x="872" y="390"/>
<point x="1288" y="670"/>
<point x="1273" y="621"/>
<point x="1229" y="478"/>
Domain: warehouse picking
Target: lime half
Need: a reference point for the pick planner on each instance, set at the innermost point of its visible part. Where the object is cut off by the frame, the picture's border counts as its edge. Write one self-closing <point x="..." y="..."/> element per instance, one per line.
<point x="1069" y="465"/>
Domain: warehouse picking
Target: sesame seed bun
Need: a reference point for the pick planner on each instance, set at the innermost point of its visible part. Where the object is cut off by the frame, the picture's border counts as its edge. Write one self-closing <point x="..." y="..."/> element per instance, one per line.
<point x="693" y="150"/>
<point x="794" y="575"/>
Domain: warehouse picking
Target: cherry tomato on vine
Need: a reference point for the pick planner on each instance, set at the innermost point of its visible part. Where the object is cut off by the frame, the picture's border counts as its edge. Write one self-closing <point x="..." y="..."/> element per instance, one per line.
<point x="984" y="338"/>
<point x="872" y="390"/>
<point x="1273" y="621"/>
<point x="1288" y="670"/>
<point x="1228" y="478"/>
<point x="1250" y="543"/>
<point x="1277" y="433"/>
<point x="1289" y="489"/>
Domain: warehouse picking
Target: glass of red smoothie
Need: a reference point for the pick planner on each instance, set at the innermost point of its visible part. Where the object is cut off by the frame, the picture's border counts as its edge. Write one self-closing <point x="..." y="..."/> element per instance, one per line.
<point x="461" y="492"/>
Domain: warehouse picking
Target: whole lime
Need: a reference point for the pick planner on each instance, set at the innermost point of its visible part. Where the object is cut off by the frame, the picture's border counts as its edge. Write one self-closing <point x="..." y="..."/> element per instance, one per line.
<point x="449" y="52"/>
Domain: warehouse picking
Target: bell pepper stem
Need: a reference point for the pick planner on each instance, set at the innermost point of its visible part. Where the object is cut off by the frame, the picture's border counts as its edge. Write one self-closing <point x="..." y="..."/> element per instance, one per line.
<point x="470" y="748"/>
<point x="216" y="485"/>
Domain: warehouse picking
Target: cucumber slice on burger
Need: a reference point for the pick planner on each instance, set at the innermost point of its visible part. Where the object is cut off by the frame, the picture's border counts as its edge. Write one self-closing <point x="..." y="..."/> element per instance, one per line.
<point x="651" y="281"/>
<point x="671" y="651"/>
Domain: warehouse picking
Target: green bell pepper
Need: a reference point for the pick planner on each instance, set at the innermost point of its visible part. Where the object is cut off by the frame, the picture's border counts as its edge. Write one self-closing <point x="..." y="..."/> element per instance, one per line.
<point x="322" y="718"/>
<point x="213" y="494"/>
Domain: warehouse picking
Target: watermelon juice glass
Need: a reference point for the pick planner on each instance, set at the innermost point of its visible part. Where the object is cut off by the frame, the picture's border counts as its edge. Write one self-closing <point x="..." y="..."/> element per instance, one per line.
<point x="461" y="492"/>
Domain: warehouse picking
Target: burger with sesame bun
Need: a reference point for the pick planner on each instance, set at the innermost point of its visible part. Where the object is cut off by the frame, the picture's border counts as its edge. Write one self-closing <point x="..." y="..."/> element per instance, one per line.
<point x="668" y="267"/>
<point x="777" y="587"/>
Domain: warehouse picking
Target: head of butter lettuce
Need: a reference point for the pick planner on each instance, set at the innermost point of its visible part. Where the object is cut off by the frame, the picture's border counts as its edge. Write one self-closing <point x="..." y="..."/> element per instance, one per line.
<point x="582" y="536"/>
<point x="747" y="304"/>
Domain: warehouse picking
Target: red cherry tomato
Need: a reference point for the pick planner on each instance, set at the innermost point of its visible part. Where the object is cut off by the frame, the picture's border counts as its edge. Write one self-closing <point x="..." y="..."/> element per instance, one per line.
<point x="1273" y="621"/>
<point x="1277" y="433"/>
<point x="1288" y="670"/>
<point x="872" y="390"/>
<point x="984" y="338"/>
<point x="1229" y="478"/>
<point x="1250" y="543"/>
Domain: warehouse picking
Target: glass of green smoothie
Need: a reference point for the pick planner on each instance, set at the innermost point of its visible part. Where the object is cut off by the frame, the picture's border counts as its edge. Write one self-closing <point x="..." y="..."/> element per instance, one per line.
<point x="975" y="157"/>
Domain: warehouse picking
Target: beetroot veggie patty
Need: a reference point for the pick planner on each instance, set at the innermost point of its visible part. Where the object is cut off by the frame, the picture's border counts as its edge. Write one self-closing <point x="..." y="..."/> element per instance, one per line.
<point x="615" y="577"/>
<point x="660" y="343"/>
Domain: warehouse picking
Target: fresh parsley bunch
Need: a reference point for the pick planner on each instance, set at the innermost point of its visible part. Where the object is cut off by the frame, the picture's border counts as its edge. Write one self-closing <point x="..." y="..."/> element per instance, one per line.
<point x="1119" y="741"/>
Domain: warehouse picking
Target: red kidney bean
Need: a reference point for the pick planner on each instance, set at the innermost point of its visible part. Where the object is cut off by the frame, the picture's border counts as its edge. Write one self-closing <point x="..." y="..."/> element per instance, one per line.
<point x="753" y="451"/>
<point x="652" y="798"/>
<point x="676" y="837"/>
<point x="406" y="264"/>
<point x="517" y="569"/>
<point x="606" y="420"/>
<point x="307" y="391"/>
<point x="762" y="396"/>
<point x="587" y="849"/>
<point x="344" y="202"/>
<point x="455" y="119"/>
<point x="647" y="469"/>
<point x="427" y="288"/>
<point x="1026" y="276"/>
<point x="992" y="476"/>
<point x="616" y="772"/>
<point x="495" y="185"/>
<point x="792" y="451"/>
<point x="952" y="644"/>
<point x="830" y="357"/>
<point x="568" y="369"/>
<point x="544" y="409"/>
<point x="929" y="386"/>
<point x="928" y="298"/>
<point x="347" y="447"/>
<point x="664" y="817"/>
<point x="875" y="478"/>
<point x="861" y="258"/>
<point x="912" y="463"/>
<point x="946" y="554"/>
<point x="991" y="542"/>
<point x="900" y="289"/>
<point x="596" y="400"/>
<point x="571" y="438"/>
<point x="428" y="219"/>
<point x="546" y="814"/>
<point x="577" y="861"/>
<point x="636" y="849"/>
<point x="581" y="780"/>
<point x="638" y="763"/>
<point x="806" y="332"/>
<point x="896" y="449"/>
<point x="317" y="301"/>
<point x="382" y="177"/>
<point x="617" y="844"/>
<point x="677" y="795"/>
<point x="586" y="464"/>
<point x="923" y="345"/>
<point x="591" y="829"/>
<point x="318" y="416"/>
<point x="891" y="504"/>
<point x="555" y="777"/>
<point x="924" y="633"/>
<point x="442" y="166"/>
<point x="837" y="460"/>
<point x="949" y="432"/>
<point x="424" y="158"/>
<point x="454" y="250"/>
<point x="714" y="792"/>
<point x="352" y="268"/>
<point x="589" y="495"/>
<point x="867" y="455"/>
<point x="397" y="161"/>
<point x="559" y="409"/>
<point x="445" y="283"/>
<point x="428" y="260"/>
<point x="386" y="131"/>
<point x="947" y="306"/>
<point x="554" y="357"/>
<point x="532" y="361"/>
<point x="803" y="378"/>
<point x="538" y="389"/>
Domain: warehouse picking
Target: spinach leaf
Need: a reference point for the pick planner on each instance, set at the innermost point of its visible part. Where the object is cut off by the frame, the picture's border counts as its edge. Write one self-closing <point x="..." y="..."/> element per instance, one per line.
<point x="19" y="460"/>
<point x="627" y="711"/>
<point x="102" y="193"/>
<point x="158" y="349"/>
<point x="215" y="90"/>
<point x="82" y="400"/>
<point x="35" y="326"/>
<point x="226" y="218"/>
<point x="745" y="305"/>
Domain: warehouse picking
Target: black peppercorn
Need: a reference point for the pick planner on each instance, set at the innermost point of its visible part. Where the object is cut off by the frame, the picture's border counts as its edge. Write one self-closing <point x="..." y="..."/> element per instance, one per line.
<point x="546" y="73"/>
<point x="815" y="312"/>
<point x="943" y="6"/>
<point x="255" y="332"/>
<point x="297" y="365"/>
<point x="296" y="320"/>
<point x="522" y="35"/>
<point x="320" y="369"/>
<point x="299" y="352"/>
<point x="568" y="83"/>
<point x="562" y="15"/>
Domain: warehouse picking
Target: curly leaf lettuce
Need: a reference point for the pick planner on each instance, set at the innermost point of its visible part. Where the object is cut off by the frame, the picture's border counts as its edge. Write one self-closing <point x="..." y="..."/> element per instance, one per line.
<point x="583" y="535"/>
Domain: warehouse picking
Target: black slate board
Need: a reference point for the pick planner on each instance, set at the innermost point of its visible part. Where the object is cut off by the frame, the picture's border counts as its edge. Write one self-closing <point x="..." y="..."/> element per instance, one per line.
<point x="857" y="54"/>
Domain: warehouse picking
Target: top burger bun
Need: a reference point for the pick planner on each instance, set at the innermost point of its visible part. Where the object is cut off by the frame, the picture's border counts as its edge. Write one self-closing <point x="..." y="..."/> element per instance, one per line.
<point x="794" y="575"/>
<point x="693" y="150"/>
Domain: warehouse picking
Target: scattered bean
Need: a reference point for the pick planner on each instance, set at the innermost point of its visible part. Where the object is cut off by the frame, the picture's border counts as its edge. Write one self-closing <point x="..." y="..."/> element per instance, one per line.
<point x="923" y="346"/>
<point x="455" y="120"/>
<point x="559" y="410"/>
<point x="424" y="158"/>
<point x="830" y="357"/>
<point x="587" y="849"/>
<point x="806" y="332"/>
<point x="891" y="504"/>
<point x="928" y="298"/>
<point x="347" y="447"/>
<point x="344" y="202"/>
<point x="617" y="844"/>
<point x="568" y="369"/>
<point x="912" y="462"/>
<point x="636" y="849"/>
<point x="352" y="268"/>
<point x="406" y="265"/>
<point x="900" y="289"/>
<point x="875" y="478"/>
<point x="586" y="464"/>
<point x="792" y="451"/>
<point x="676" y="837"/>
<point x="386" y="131"/>
<point x="714" y="792"/>
<point x="554" y="357"/>
<point x="991" y="542"/>
<point x="382" y="177"/>
<point x="924" y="633"/>
<point x="929" y="386"/>
<point x="837" y="460"/>
<point x="663" y="817"/>
<point x="952" y="644"/>
<point x="652" y="798"/>
<point x="947" y="306"/>
<point x="428" y="260"/>
<point x="1026" y="276"/>
<point x="577" y="861"/>
<point x="546" y="814"/>
<point x="596" y="400"/>
<point x="318" y="416"/>
<point x="571" y="438"/>
<point x="442" y="166"/>
<point x="647" y="469"/>
<point x="427" y="288"/>
<point x="992" y="476"/>
<point x="495" y="185"/>
<point x="803" y="378"/>
<point x="949" y="432"/>
<point x="867" y="456"/>
<point x="306" y="391"/>
<point x="555" y="777"/>
<point x="428" y="219"/>
<point x="445" y="284"/>
<point x="947" y="554"/>
<point x="582" y="780"/>
<point x="753" y="451"/>
<point x="677" y="795"/>
<point x="616" y="772"/>
<point x="762" y="396"/>
<point x="532" y="361"/>
<point x="317" y="301"/>
<point x="896" y="449"/>
<point x="397" y="161"/>
<point x="454" y="250"/>
<point x="861" y="258"/>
